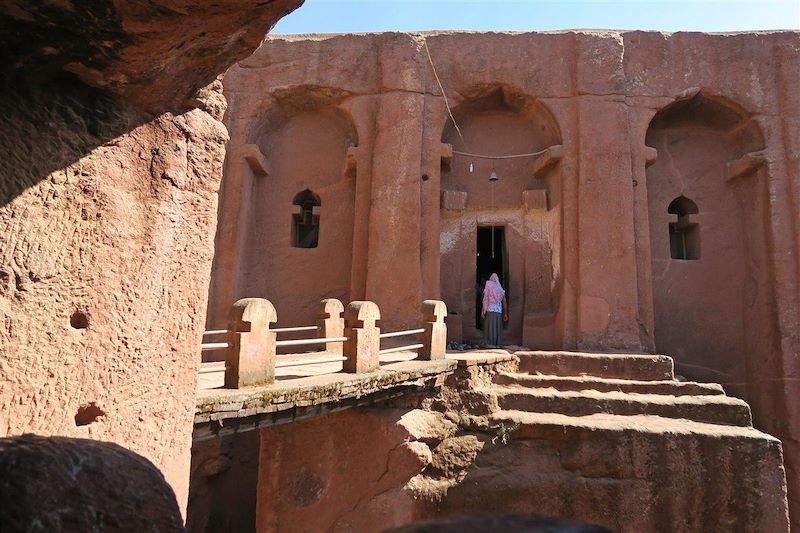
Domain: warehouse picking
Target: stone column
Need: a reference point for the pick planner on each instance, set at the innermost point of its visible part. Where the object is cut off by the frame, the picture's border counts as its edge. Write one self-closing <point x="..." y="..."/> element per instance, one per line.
<point x="330" y="323"/>
<point x="245" y="164"/>
<point x="642" y="157"/>
<point x="361" y="350"/>
<point x="394" y="269"/>
<point x="251" y="358"/>
<point x="607" y="293"/>
<point x="433" y="154"/>
<point x="359" y="159"/>
<point x="434" y="339"/>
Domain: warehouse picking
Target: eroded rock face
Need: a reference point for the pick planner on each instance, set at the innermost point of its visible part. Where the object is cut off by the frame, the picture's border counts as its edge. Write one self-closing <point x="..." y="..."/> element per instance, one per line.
<point x="155" y="54"/>
<point x="111" y="163"/>
<point x="511" y="523"/>
<point x="362" y="470"/>
<point x="639" y="457"/>
<point x="355" y="477"/>
<point x="104" y="268"/>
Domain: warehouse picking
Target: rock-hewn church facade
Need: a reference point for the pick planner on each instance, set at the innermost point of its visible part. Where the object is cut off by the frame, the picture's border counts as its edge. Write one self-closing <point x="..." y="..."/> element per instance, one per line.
<point x="651" y="203"/>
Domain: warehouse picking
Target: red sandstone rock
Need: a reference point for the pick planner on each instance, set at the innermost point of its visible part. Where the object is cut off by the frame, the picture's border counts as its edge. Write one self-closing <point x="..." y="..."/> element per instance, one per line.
<point x="628" y="471"/>
<point x="103" y="314"/>
<point x="514" y="523"/>
<point x="109" y="213"/>
<point x="628" y="122"/>
<point x="104" y="272"/>
<point x="350" y="479"/>
<point x="155" y="54"/>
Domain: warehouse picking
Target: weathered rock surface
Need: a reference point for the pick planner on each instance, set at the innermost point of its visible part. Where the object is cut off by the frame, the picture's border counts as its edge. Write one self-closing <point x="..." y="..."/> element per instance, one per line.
<point x="61" y="484"/>
<point x="632" y="456"/>
<point x="154" y="54"/>
<point x="511" y="523"/>
<point x="639" y="474"/>
<point x="104" y="268"/>
<point x="224" y="484"/>
<point x="111" y="163"/>
<point x="346" y="471"/>
<point x="662" y="465"/>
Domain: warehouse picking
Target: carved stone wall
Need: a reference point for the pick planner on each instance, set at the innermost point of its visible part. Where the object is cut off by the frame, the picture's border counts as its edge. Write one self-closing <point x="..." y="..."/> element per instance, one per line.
<point x="598" y="256"/>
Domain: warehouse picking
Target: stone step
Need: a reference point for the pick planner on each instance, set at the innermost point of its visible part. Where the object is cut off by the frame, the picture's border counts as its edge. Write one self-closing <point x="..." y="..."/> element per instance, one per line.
<point x="578" y="383"/>
<point x="524" y="425"/>
<point x="650" y="473"/>
<point x="640" y="367"/>
<point x="711" y="409"/>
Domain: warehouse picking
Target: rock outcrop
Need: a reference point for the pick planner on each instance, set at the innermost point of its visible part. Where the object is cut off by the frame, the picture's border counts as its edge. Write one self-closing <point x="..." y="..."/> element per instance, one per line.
<point x="104" y="268"/>
<point x="156" y="55"/>
<point x="353" y="476"/>
<point x="613" y="440"/>
<point x="111" y="163"/>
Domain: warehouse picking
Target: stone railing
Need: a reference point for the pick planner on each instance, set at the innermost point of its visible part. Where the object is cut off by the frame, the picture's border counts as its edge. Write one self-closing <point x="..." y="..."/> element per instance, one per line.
<point x="349" y="335"/>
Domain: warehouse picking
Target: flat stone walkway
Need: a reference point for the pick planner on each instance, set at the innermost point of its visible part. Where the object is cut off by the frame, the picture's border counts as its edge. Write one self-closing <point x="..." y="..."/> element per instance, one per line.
<point x="316" y="389"/>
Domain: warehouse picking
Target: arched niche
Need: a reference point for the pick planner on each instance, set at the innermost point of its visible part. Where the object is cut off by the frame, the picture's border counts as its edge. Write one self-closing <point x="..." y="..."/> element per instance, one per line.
<point x="520" y="220"/>
<point x="304" y="135"/>
<point x="712" y="313"/>
<point x="497" y="120"/>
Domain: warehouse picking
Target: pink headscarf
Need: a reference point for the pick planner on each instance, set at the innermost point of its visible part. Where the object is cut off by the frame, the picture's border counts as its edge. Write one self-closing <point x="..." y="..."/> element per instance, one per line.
<point x="493" y="292"/>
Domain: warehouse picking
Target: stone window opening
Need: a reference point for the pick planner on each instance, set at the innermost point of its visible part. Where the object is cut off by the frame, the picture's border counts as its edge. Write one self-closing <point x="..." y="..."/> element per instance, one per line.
<point x="684" y="235"/>
<point x="305" y="224"/>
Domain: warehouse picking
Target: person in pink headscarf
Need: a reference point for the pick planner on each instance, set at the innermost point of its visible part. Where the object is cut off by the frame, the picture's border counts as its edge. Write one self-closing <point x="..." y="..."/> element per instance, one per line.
<point x="494" y="312"/>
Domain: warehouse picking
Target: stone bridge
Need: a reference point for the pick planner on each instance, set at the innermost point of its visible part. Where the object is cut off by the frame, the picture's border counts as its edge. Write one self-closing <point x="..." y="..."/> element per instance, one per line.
<point x="252" y="386"/>
<point x="596" y="432"/>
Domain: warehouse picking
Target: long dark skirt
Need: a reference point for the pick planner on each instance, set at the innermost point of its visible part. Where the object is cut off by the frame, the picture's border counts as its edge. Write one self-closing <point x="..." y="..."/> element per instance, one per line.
<point x="493" y="329"/>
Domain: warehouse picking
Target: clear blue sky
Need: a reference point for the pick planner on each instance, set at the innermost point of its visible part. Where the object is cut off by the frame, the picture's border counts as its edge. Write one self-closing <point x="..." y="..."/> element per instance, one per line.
<point x="338" y="16"/>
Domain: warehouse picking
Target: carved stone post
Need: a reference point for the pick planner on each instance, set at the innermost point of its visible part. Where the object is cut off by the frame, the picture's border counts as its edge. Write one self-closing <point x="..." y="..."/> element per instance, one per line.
<point x="434" y="339"/>
<point x="251" y="358"/>
<point x="330" y="323"/>
<point x="361" y="350"/>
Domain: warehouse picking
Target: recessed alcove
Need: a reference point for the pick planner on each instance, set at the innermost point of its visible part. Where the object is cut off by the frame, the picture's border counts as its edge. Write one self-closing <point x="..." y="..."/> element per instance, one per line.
<point x="293" y="251"/>
<point x="79" y="320"/>
<point x="496" y="121"/>
<point x="711" y="302"/>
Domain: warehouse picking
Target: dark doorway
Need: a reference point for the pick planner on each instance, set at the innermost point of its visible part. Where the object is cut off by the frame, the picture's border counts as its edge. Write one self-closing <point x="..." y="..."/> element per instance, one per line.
<point x="490" y="259"/>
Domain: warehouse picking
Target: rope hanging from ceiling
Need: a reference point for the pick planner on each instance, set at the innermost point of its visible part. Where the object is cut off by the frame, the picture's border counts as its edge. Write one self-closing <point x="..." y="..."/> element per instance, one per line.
<point x="455" y="124"/>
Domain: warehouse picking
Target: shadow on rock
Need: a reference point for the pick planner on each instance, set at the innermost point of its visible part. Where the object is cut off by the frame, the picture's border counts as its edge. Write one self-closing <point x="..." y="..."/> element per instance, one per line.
<point x="58" y="484"/>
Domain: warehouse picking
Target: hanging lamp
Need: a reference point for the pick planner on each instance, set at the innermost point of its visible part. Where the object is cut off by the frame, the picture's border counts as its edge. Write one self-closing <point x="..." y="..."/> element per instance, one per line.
<point x="492" y="179"/>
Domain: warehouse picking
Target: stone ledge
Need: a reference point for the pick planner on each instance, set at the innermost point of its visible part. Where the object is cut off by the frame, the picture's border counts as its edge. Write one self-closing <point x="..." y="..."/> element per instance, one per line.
<point x="487" y="357"/>
<point x="220" y="411"/>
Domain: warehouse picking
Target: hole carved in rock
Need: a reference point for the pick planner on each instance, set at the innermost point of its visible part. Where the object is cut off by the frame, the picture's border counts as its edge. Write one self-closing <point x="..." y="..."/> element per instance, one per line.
<point x="88" y="413"/>
<point x="79" y="320"/>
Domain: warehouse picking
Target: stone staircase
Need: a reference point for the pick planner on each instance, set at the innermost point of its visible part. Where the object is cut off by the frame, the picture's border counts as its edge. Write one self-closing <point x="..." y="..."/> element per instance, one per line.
<point x="614" y="385"/>
<point x="577" y="385"/>
<point x="615" y="439"/>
